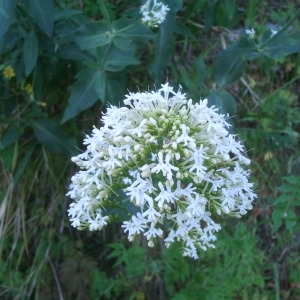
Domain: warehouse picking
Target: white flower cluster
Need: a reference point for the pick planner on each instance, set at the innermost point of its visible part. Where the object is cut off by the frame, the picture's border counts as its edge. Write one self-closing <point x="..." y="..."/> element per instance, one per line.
<point x="175" y="161"/>
<point x="153" y="13"/>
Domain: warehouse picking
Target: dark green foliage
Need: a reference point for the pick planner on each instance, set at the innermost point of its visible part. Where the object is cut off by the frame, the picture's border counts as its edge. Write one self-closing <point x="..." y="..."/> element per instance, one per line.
<point x="285" y="204"/>
<point x="50" y="134"/>
<point x="83" y="92"/>
<point x="6" y="14"/>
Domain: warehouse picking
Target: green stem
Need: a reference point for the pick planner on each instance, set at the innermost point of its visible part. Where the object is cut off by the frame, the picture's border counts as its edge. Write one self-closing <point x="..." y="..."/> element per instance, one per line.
<point x="276" y="279"/>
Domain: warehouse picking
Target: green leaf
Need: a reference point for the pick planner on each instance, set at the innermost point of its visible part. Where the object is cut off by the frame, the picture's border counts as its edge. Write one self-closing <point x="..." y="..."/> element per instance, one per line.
<point x="118" y="252"/>
<point x="251" y="12"/>
<point x="92" y="35"/>
<point x="244" y="47"/>
<point x="73" y="52"/>
<point x="194" y="79"/>
<point x="83" y="93"/>
<point x="11" y="135"/>
<point x="120" y="206"/>
<point x="164" y="42"/>
<point x="179" y="28"/>
<point x="226" y="13"/>
<point x="50" y="134"/>
<point x="200" y="70"/>
<point x="295" y="180"/>
<point x="120" y="59"/>
<point x="227" y="68"/>
<point x="191" y="7"/>
<point x="186" y="80"/>
<point x="230" y="63"/>
<point x="283" y="199"/>
<point x="23" y="164"/>
<point x="30" y="48"/>
<point x="164" y="48"/>
<point x="280" y="214"/>
<point x="67" y="30"/>
<point x="291" y="220"/>
<point x="65" y="14"/>
<point x="9" y="40"/>
<point x="224" y="101"/>
<point x="100" y="84"/>
<point x="43" y="13"/>
<point x="282" y="44"/>
<point x="7" y="8"/>
<point x="209" y="14"/>
<point x="116" y="87"/>
<point x="174" y="5"/>
<point x="287" y="188"/>
<point x="101" y="285"/>
<point x="127" y="35"/>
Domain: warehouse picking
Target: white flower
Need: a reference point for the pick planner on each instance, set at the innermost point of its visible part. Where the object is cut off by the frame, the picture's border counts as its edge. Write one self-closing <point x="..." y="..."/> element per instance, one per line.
<point x="251" y="33"/>
<point x="165" y="196"/>
<point x="175" y="161"/>
<point x="135" y="226"/>
<point x="164" y="166"/>
<point x="273" y="32"/>
<point x="153" y="13"/>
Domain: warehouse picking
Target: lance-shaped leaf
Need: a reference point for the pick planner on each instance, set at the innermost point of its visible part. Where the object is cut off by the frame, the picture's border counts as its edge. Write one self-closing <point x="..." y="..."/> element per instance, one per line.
<point x="164" y="42"/>
<point x="119" y="59"/>
<point x="116" y="87"/>
<point x="92" y="35"/>
<point x="282" y="44"/>
<point x="73" y="52"/>
<point x="50" y="134"/>
<point x="66" y="29"/>
<point x="85" y="92"/>
<point x="230" y="63"/>
<point x="227" y="69"/>
<point x="30" y="49"/>
<point x="43" y="13"/>
<point x="164" y="48"/>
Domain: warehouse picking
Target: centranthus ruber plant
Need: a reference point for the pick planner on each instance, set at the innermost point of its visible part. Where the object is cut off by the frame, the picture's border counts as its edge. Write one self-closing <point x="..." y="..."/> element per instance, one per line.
<point x="174" y="160"/>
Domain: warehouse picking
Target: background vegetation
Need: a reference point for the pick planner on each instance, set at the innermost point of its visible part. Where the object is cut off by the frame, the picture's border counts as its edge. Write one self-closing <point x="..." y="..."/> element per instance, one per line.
<point x="62" y="61"/>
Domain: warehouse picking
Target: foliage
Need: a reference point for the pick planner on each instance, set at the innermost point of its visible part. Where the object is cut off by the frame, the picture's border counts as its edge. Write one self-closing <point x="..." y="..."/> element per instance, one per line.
<point x="61" y="62"/>
<point x="284" y="205"/>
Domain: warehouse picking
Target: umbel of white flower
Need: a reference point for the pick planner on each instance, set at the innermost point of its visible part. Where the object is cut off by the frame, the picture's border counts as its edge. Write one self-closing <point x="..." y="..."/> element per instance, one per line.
<point x="176" y="162"/>
<point x="153" y="12"/>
